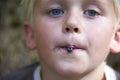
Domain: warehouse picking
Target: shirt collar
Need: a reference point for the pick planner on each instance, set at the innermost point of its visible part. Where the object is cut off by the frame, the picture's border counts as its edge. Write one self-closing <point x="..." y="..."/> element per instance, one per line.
<point x="109" y="73"/>
<point x="37" y="73"/>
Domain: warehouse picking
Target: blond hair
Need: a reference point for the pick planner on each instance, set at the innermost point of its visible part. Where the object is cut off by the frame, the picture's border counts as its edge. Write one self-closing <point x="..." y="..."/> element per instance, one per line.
<point x="116" y="4"/>
<point x="28" y="6"/>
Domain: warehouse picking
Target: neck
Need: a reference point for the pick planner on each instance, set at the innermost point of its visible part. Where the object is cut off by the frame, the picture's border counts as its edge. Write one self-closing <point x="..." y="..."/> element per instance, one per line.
<point x="96" y="74"/>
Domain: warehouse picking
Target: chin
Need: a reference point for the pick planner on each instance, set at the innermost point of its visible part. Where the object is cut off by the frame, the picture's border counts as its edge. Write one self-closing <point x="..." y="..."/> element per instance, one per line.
<point x="70" y="70"/>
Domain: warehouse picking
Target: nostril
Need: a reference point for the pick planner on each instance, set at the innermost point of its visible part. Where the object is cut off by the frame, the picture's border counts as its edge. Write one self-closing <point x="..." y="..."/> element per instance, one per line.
<point x="76" y="29"/>
<point x="67" y="29"/>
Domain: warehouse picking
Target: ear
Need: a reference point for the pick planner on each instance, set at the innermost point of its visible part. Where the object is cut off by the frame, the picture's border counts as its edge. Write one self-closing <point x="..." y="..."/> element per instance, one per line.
<point x="115" y="43"/>
<point x="29" y="36"/>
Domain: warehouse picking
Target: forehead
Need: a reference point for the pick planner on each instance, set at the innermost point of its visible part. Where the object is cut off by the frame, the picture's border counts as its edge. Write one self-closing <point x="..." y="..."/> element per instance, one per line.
<point x="80" y="1"/>
<point x="103" y="3"/>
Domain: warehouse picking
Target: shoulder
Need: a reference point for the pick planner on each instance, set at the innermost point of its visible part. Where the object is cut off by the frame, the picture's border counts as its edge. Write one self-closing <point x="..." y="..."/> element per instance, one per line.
<point x="111" y="74"/>
<point x="118" y="75"/>
<point x="22" y="74"/>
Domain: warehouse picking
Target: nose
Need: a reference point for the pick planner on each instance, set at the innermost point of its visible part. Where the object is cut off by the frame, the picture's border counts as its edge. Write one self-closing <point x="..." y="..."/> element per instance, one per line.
<point x="72" y="23"/>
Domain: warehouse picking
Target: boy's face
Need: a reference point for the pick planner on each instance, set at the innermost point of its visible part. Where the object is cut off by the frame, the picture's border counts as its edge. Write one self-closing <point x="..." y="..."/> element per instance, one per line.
<point x="87" y="25"/>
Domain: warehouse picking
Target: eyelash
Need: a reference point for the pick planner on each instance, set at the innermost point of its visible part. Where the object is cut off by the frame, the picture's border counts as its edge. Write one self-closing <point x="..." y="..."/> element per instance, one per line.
<point x="56" y="12"/>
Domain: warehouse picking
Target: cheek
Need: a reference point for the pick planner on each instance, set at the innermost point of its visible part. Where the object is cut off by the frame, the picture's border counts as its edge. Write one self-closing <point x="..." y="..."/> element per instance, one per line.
<point x="99" y="39"/>
<point x="46" y="33"/>
<point x="47" y="27"/>
<point x="43" y="29"/>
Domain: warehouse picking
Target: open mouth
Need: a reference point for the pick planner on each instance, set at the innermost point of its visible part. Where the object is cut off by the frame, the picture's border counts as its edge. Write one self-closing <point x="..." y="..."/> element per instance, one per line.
<point x="70" y="48"/>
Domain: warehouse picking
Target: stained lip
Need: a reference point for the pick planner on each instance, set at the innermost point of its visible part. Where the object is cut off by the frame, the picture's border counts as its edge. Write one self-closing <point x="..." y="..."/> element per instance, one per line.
<point x="74" y="46"/>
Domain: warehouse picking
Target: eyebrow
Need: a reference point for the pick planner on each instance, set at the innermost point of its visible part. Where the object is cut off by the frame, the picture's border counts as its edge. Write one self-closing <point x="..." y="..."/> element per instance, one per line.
<point x="102" y="2"/>
<point x="89" y="1"/>
<point x="54" y="1"/>
<point x="82" y="1"/>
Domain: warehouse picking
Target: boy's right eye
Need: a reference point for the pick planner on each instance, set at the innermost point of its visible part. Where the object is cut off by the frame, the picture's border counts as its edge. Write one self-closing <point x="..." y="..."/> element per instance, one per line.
<point x="56" y="12"/>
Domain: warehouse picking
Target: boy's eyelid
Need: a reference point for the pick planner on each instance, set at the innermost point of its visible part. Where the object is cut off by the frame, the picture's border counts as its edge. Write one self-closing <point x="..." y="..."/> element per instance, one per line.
<point x="57" y="8"/>
<point x="54" y="6"/>
<point x="94" y="6"/>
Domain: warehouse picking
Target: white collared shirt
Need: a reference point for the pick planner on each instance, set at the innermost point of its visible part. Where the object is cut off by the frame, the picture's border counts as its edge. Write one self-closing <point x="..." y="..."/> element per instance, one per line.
<point x="109" y="73"/>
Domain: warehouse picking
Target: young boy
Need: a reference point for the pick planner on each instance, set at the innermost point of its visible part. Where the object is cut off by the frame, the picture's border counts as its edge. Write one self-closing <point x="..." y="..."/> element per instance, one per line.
<point x="73" y="39"/>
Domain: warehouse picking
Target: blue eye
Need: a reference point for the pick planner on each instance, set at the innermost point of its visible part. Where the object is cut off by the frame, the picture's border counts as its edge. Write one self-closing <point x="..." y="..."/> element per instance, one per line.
<point x="91" y="13"/>
<point x="56" y="12"/>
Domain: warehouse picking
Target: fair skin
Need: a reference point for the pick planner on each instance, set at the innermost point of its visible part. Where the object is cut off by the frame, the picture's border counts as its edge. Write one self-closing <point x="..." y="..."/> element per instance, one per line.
<point x="89" y="26"/>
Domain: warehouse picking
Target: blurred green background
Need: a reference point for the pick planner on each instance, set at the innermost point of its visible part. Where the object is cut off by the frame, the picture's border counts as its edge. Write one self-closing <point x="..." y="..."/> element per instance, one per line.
<point x="13" y="51"/>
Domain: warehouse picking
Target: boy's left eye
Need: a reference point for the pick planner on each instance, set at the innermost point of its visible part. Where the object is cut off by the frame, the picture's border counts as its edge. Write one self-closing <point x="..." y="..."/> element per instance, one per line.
<point x="91" y="13"/>
<point x="56" y="12"/>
